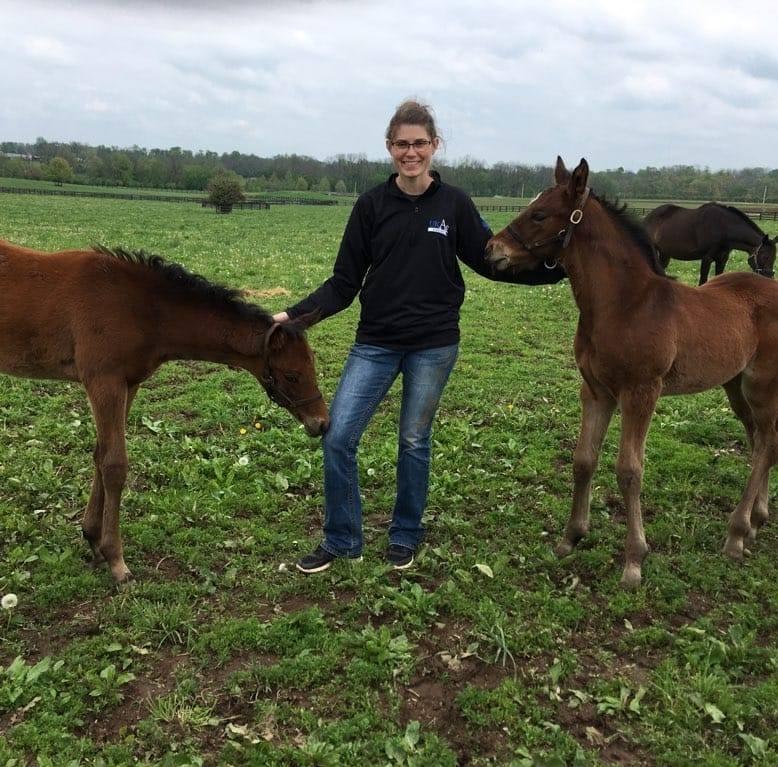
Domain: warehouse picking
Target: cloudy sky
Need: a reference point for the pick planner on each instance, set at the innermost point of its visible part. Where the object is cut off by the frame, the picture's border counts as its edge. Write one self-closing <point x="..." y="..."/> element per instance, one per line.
<point x="623" y="82"/>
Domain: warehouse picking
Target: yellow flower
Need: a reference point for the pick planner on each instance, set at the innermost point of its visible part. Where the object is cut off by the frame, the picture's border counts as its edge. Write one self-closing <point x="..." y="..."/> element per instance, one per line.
<point x="242" y="431"/>
<point x="257" y="425"/>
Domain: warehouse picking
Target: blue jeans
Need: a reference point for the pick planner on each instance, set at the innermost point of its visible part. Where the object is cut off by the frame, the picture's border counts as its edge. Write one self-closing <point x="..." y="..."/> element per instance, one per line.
<point x="367" y="376"/>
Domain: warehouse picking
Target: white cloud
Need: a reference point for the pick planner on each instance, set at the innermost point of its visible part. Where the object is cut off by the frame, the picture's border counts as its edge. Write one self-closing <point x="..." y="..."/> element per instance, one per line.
<point x="630" y="84"/>
<point x="97" y="105"/>
<point x="47" y="49"/>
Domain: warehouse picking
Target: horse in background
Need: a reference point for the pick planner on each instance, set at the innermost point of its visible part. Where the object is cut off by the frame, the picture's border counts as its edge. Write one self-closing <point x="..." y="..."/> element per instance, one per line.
<point x="108" y="319"/>
<point x="709" y="233"/>
<point x="642" y="335"/>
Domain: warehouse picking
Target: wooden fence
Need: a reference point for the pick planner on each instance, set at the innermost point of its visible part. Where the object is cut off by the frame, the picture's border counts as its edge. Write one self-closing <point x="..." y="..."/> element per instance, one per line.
<point x="771" y="215"/>
<point x="759" y="215"/>
<point x="245" y="205"/>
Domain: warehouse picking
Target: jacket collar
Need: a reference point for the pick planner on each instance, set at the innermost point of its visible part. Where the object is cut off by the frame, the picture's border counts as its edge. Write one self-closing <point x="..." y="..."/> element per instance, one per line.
<point x="428" y="192"/>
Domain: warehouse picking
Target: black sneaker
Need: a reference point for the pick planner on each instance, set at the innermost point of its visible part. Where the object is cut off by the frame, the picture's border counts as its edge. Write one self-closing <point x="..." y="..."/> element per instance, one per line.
<point x="318" y="560"/>
<point x="399" y="557"/>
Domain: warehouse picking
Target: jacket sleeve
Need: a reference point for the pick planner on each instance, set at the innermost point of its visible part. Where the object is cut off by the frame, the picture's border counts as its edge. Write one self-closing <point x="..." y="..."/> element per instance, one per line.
<point x="351" y="265"/>
<point x="474" y="233"/>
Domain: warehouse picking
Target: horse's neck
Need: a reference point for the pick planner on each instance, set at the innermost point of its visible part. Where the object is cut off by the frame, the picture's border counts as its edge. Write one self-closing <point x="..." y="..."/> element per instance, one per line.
<point x="193" y="332"/>
<point x="742" y="236"/>
<point x="607" y="274"/>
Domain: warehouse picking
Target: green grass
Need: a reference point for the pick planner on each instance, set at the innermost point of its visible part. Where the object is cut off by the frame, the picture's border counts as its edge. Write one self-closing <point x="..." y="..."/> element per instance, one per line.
<point x="222" y="655"/>
<point x="25" y="183"/>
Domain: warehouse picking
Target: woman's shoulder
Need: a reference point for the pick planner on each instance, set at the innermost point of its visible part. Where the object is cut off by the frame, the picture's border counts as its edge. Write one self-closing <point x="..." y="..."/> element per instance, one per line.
<point x="450" y="189"/>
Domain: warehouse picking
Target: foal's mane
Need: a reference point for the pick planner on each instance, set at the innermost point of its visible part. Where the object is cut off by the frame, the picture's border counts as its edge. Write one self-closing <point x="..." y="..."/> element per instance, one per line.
<point x="633" y="229"/>
<point x="185" y="283"/>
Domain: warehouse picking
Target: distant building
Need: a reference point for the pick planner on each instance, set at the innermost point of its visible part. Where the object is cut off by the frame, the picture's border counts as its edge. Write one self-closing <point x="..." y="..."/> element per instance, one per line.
<point x="17" y="156"/>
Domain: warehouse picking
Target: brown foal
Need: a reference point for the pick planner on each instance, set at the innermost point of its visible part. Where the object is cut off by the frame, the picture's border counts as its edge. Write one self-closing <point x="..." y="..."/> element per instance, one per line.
<point x="640" y="336"/>
<point x="109" y="319"/>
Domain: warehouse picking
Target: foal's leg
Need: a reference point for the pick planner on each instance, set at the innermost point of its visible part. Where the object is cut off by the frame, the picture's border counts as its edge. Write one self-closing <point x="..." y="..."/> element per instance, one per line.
<point x="758" y="389"/>
<point x="740" y="520"/>
<point x="637" y="408"/>
<point x="92" y="523"/>
<point x="109" y="400"/>
<point x="760" y="513"/>
<point x="596" y="413"/>
<point x="741" y="408"/>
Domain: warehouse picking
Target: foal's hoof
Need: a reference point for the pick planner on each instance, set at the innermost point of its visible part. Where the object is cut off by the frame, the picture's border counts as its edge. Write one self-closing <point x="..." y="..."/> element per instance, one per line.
<point x="734" y="549"/>
<point x="125" y="582"/>
<point x="631" y="577"/>
<point x="564" y="549"/>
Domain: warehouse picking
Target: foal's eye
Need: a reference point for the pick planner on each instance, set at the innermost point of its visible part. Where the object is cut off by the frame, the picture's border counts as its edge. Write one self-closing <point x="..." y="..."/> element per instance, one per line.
<point x="292" y="378"/>
<point x="538" y="215"/>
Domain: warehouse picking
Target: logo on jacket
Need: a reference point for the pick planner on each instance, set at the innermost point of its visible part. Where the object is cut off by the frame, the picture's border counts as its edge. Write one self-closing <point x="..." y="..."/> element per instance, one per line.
<point x="439" y="227"/>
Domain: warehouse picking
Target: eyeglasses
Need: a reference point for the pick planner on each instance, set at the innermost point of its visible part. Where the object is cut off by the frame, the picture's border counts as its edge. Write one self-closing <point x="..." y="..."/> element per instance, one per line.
<point x="418" y="145"/>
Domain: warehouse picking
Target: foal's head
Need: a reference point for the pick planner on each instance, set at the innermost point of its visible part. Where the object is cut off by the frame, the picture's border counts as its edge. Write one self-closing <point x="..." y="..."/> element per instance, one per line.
<point x="288" y="374"/>
<point x="544" y="228"/>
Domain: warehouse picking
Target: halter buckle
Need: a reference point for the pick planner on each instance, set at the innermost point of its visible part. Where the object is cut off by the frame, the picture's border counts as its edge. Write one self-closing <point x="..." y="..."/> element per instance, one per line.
<point x="576" y="216"/>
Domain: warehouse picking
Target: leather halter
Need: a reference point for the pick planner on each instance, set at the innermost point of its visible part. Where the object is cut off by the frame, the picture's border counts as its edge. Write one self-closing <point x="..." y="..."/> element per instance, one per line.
<point x="563" y="236"/>
<point x="268" y="379"/>
<point x="753" y="262"/>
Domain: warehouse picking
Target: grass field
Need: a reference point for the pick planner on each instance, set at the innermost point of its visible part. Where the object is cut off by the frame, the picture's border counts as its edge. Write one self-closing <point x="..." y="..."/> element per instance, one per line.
<point x="24" y="183"/>
<point x="488" y="652"/>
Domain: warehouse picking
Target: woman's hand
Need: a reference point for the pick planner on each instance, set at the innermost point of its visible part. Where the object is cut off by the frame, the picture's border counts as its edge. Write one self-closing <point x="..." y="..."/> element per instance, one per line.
<point x="281" y="317"/>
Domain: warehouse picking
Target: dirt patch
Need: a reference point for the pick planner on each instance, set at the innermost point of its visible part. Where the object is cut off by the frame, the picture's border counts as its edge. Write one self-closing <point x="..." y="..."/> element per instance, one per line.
<point x="267" y="293"/>
<point x="430" y="697"/>
<point x="137" y="697"/>
<point x="65" y="625"/>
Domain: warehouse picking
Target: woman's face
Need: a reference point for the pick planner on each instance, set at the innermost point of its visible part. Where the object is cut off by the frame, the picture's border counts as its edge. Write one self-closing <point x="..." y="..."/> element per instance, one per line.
<point x="411" y="149"/>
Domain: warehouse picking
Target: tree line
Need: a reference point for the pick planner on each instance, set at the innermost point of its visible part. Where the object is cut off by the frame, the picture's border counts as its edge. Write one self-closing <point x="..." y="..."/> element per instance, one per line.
<point x="178" y="168"/>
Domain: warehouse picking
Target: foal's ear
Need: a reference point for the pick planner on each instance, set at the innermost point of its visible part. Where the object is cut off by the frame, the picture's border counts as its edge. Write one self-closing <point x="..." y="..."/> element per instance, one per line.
<point x="278" y="337"/>
<point x="561" y="174"/>
<point x="579" y="179"/>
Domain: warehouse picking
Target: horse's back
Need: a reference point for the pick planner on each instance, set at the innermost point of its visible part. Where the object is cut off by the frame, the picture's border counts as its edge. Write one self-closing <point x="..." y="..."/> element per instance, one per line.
<point x="661" y="213"/>
<point x="746" y="286"/>
<point x="678" y="232"/>
<point x="56" y="307"/>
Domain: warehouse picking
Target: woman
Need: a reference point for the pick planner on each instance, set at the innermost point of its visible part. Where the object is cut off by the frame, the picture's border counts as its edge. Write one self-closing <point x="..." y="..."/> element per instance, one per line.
<point x="399" y="253"/>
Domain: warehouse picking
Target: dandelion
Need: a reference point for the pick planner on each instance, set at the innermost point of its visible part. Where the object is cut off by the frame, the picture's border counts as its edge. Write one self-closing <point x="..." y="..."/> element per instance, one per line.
<point x="243" y="460"/>
<point x="257" y="425"/>
<point x="242" y="431"/>
<point x="9" y="601"/>
<point x="282" y="568"/>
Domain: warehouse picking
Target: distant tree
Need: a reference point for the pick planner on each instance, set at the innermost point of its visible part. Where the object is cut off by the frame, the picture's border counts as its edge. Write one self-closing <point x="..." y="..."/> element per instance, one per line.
<point x="301" y="185"/>
<point x="14" y="168"/>
<point x="323" y="185"/>
<point x="121" y="169"/>
<point x="197" y="176"/>
<point x="59" y="171"/>
<point x="340" y="187"/>
<point x="224" y="190"/>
